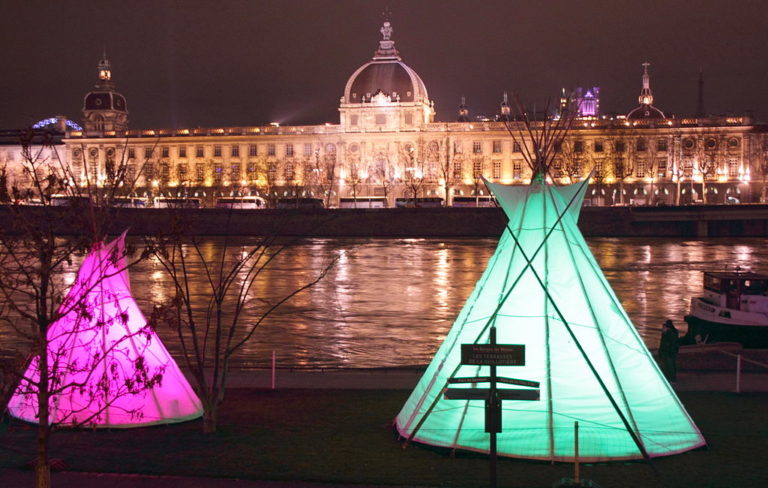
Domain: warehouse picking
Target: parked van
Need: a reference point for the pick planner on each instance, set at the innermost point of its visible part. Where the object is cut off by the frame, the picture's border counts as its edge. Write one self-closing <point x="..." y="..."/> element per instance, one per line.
<point x="171" y="202"/>
<point x="363" y="202"/>
<point x="241" y="202"/>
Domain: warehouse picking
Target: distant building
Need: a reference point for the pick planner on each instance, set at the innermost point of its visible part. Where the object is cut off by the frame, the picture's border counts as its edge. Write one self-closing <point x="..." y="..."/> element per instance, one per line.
<point x="387" y="144"/>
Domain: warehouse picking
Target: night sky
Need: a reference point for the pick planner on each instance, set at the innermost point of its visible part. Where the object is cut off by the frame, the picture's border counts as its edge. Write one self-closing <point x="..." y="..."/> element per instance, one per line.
<point x="203" y="63"/>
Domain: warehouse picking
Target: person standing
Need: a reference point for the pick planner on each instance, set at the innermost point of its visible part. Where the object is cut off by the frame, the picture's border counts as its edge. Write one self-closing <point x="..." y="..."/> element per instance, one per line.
<point x="668" y="348"/>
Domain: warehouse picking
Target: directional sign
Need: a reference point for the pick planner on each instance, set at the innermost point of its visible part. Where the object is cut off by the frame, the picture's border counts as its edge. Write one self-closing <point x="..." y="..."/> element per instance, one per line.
<point x="515" y="381"/>
<point x="493" y="354"/>
<point x="500" y="379"/>
<point x="484" y="394"/>
<point x="476" y="379"/>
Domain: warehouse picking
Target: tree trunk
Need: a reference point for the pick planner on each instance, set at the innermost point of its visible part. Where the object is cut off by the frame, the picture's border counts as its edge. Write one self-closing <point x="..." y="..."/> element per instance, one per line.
<point x="42" y="469"/>
<point x="210" y="419"/>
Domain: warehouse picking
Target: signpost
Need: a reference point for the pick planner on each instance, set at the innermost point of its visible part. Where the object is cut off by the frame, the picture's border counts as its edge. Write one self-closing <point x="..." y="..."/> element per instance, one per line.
<point x="493" y="355"/>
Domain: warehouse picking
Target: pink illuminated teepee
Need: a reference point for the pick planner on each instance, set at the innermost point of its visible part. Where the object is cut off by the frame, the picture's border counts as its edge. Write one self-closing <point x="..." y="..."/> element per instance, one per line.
<point x="107" y="367"/>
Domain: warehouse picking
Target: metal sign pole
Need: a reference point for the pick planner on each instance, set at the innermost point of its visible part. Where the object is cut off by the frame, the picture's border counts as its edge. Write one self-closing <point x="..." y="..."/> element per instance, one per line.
<point x="493" y="413"/>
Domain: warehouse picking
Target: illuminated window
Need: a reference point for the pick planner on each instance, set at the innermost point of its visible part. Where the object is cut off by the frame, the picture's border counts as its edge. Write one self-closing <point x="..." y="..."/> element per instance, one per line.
<point x="235" y="152"/>
<point x="457" y="147"/>
<point x="497" y="169"/>
<point x="183" y="152"/>
<point x="517" y="170"/>
<point x="477" y="147"/>
<point x="253" y="150"/>
<point x="165" y="172"/>
<point x="496" y="147"/>
<point x="307" y="149"/>
<point x="164" y="152"/>
<point x="661" y="145"/>
<point x="516" y="147"/>
<point x="272" y="171"/>
<point x="599" y="168"/>
<point x="130" y="172"/>
<point x="661" y="171"/>
<point x="217" y="151"/>
<point x="199" y="151"/>
<point x="234" y="172"/>
<point x="477" y="168"/>
<point x="733" y="168"/>
<point x="640" y="169"/>
<point x="182" y="169"/>
<point x="251" y="171"/>
<point x="289" y="150"/>
<point x="200" y="172"/>
<point x="149" y="171"/>
<point x="457" y="170"/>
<point x="289" y="171"/>
<point x="270" y="149"/>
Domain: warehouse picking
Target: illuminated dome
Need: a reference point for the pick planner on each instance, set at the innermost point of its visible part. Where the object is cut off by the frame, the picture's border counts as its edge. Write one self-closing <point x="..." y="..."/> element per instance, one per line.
<point x="104" y="109"/>
<point x="385" y="75"/>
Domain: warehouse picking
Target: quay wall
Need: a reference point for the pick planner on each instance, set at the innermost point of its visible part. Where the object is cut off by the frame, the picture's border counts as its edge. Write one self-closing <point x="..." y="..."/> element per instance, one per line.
<point x="671" y="221"/>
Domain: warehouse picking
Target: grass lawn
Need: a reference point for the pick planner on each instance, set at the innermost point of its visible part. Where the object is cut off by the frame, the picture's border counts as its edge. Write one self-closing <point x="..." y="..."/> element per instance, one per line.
<point x="345" y="436"/>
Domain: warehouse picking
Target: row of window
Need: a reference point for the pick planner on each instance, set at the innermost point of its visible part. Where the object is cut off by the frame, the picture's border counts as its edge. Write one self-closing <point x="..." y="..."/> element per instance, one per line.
<point x="218" y="151"/>
<point x="578" y="146"/>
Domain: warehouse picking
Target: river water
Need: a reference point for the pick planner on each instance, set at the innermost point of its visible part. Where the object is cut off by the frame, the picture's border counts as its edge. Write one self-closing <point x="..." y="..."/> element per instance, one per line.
<point x="390" y="302"/>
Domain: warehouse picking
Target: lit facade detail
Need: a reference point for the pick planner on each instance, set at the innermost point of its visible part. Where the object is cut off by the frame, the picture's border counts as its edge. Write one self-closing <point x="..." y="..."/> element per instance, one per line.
<point x="387" y="144"/>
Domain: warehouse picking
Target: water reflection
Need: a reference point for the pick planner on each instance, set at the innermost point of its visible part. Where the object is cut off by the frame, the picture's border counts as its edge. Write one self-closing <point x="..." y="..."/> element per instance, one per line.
<point x="390" y="302"/>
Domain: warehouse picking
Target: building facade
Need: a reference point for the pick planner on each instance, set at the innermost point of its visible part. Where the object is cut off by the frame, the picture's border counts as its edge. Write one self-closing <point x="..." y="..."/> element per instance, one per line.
<point x="387" y="145"/>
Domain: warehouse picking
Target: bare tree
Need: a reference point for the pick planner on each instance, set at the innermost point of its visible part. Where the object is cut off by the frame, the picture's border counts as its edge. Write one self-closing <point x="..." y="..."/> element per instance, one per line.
<point x="623" y="165"/>
<point x="355" y="178"/>
<point x="323" y="174"/>
<point x="212" y="325"/>
<point x="383" y="172"/>
<point x="446" y="171"/>
<point x="38" y="248"/>
<point x="413" y="172"/>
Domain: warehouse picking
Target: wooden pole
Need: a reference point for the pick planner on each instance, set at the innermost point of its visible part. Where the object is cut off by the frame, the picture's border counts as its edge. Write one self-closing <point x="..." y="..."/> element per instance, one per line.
<point x="274" y="363"/>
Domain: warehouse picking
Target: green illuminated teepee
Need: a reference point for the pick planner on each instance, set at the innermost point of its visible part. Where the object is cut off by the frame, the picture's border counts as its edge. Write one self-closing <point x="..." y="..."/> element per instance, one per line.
<point x="543" y="288"/>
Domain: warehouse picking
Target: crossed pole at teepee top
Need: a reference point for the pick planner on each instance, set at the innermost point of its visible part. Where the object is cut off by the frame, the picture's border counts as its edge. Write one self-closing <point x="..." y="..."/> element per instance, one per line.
<point x="529" y="264"/>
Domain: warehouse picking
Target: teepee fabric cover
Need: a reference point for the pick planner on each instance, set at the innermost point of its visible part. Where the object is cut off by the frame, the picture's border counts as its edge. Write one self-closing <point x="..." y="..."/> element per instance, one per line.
<point x="570" y="392"/>
<point x="115" y="325"/>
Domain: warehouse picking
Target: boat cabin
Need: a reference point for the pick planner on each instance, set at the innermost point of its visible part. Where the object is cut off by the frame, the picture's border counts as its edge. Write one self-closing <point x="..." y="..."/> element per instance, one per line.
<point x="736" y="290"/>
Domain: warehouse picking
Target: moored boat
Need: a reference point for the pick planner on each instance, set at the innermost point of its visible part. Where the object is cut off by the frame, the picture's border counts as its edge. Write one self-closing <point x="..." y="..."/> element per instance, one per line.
<point x="732" y="308"/>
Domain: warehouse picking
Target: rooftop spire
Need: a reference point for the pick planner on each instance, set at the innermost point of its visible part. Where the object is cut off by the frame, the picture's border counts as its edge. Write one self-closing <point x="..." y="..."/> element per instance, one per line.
<point x="463" y="111"/>
<point x="646" y="97"/>
<point x="386" y="48"/>
<point x="700" y="112"/>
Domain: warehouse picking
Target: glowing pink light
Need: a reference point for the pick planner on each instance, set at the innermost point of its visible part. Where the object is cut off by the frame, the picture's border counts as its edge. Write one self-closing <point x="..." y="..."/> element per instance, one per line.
<point x="101" y="352"/>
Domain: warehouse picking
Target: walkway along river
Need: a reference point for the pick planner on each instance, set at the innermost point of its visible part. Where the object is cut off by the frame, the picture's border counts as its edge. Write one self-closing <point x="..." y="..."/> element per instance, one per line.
<point x="390" y="302"/>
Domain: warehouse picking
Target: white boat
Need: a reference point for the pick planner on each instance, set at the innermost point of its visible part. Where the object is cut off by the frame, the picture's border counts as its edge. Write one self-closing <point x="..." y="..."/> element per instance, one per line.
<point x="733" y="308"/>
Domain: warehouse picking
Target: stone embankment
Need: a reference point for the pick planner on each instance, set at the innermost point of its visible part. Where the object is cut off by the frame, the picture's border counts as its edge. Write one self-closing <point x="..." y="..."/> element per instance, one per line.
<point x="671" y="221"/>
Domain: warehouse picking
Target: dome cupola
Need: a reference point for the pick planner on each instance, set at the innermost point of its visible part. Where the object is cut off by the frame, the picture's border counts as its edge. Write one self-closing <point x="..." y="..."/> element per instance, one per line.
<point x="104" y="109"/>
<point x="385" y="93"/>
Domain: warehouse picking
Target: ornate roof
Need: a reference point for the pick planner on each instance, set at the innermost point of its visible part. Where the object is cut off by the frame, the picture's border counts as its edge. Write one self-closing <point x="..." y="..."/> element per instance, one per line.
<point x="386" y="75"/>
